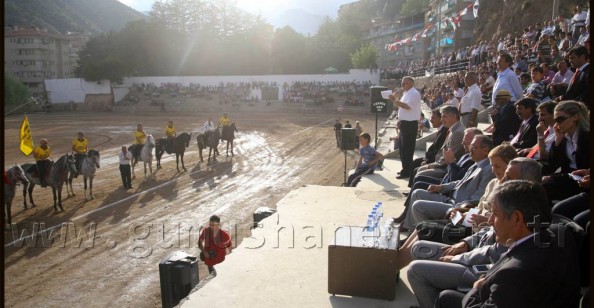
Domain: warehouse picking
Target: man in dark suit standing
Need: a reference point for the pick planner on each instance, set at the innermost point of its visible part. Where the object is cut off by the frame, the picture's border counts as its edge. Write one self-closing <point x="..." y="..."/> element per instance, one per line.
<point x="538" y="270"/>
<point x="505" y="120"/>
<point x="432" y="151"/>
<point x="578" y="88"/>
<point x="526" y="136"/>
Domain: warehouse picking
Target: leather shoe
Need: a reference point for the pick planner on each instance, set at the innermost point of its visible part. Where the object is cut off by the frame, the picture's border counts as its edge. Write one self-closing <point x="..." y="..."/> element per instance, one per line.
<point x="399" y="219"/>
<point x="405" y="193"/>
<point x="403" y="176"/>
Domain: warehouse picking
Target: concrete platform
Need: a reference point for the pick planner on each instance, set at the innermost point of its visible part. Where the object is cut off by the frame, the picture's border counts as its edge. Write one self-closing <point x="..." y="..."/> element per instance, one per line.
<point x="285" y="263"/>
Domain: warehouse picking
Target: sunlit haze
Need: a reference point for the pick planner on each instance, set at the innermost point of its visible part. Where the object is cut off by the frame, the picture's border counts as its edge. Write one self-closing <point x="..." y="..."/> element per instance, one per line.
<point x="267" y="8"/>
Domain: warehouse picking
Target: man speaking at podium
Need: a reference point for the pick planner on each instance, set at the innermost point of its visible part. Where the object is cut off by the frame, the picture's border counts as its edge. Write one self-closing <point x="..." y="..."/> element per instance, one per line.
<point x="409" y="111"/>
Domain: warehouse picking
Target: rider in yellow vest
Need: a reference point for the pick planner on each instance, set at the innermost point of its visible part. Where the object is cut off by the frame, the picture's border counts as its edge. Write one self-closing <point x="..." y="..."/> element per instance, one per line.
<point x="42" y="154"/>
<point x="225" y="120"/>
<point x="139" y="139"/>
<point x="79" y="147"/>
<point x="170" y="133"/>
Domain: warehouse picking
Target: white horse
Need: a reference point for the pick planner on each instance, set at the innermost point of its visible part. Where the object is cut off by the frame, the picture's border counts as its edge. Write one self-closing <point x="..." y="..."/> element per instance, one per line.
<point x="146" y="155"/>
<point x="13" y="177"/>
<point x="88" y="169"/>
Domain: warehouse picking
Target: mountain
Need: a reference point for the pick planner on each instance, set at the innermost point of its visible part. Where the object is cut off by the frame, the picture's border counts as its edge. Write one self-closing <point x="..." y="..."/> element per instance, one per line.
<point x="84" y="16"/>
<point x="300" y="20"/>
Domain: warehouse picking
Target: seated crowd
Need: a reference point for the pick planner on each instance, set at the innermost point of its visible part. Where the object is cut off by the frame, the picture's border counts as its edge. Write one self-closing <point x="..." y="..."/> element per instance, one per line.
<point x="500" y="217"/>
<point x="525" y="182"/>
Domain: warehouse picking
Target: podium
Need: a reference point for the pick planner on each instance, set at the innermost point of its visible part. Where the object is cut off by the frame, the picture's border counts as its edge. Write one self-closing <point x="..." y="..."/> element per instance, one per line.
<point x="356" y="270"/>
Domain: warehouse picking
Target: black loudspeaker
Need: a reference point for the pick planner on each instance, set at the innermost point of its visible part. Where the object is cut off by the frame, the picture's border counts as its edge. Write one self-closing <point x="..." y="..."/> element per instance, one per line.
<point x="178" y="274"/>
<point x="347" y="141"/>
<point x="378" y="103"/>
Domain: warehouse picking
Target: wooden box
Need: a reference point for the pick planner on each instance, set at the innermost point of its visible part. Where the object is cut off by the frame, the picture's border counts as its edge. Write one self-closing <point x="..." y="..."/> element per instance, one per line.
<point x="356" y="270"/>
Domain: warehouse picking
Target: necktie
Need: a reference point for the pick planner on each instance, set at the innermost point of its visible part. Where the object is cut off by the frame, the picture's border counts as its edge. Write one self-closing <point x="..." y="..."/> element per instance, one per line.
<point x="519" y="134"/>
<point x="464" y="179"/>
<point x="535" y="148"/>
<point x="574" y="78"/>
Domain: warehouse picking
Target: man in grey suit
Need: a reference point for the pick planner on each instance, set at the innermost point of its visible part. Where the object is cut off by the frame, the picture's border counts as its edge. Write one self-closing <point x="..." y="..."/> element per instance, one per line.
<point x="451" y="119"/>
<point x="434" y="202"/>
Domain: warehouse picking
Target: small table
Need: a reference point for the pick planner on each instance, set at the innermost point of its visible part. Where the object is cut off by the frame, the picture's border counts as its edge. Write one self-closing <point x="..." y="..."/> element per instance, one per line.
<point x="356" y="270"/>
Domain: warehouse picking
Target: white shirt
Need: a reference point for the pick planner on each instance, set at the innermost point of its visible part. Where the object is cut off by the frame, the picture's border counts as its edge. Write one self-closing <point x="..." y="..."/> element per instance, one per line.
<point x="451" y="102"/>
<point x="579" y="19"/>
<point x="571" y="148"/>
<point x="471" y="100"/>
<point x="520" y="241"/>
<point x="507" y="80"/>
<point x="490" y="81"/>
<point x="548" y="142"/>
<point x="208" y="126"/>
<point x="458" y="93"/>
<point x="412" y="98"/>
<point x="563" y="78"/>
<point x="125" y="158"/>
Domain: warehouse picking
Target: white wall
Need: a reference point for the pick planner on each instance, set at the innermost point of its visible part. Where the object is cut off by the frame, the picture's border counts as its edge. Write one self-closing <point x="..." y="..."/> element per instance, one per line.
<point x="353" y="75"/>
<point x="75" y="89"/>
<point x="61" y="91"/>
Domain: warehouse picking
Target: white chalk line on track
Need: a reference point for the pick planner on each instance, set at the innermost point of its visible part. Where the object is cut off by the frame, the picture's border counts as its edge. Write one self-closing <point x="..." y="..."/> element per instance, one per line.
<point x="131" y="196"/>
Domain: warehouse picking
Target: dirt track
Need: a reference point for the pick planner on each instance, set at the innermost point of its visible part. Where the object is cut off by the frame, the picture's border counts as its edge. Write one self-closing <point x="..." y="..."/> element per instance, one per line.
<point x="135" y="229"/>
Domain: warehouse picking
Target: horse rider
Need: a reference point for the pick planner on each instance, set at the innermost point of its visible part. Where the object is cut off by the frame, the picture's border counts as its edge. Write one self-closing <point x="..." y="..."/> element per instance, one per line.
<point x="207" y="128"/>
<point x="225" y="123"/>
<point x="42" y="154"/>
<point x="225" y="120"/>
<point x="171" y="134"/>
<point x="139" y="139"/>
<point x="80" y="146"/>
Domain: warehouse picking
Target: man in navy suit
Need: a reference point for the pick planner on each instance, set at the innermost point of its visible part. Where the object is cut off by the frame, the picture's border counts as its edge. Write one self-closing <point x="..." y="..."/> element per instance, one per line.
<point x="505" y="120"/>
<point x="526" y="136"/>
<point x="578" y="88"/>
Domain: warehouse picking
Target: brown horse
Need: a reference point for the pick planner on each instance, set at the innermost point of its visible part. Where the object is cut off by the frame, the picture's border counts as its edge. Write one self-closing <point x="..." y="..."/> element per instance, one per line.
<point x="229" y="135"/>
<point x="179" y="146"/>
<point x="210" y="140"/>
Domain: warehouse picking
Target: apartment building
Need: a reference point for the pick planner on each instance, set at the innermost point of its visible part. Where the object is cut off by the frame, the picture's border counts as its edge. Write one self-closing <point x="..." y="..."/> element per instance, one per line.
<point x="32" y="54"/>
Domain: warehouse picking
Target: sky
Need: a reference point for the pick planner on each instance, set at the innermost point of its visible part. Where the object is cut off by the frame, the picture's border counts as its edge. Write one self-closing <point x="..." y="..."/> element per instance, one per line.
<point x="267" y="8"/>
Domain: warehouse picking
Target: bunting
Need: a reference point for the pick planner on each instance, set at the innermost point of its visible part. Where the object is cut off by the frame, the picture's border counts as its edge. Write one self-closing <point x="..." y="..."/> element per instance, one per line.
<point x="453" y="21"/>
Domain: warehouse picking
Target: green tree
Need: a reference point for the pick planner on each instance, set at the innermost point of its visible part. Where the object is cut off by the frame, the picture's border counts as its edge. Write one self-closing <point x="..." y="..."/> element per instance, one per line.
<point x="15" y="92"/>
<point x="365" y="57"/>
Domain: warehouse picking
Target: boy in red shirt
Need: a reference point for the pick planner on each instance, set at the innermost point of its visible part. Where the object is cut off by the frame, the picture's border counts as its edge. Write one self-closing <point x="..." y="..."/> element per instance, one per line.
<point x="214" y="244"/>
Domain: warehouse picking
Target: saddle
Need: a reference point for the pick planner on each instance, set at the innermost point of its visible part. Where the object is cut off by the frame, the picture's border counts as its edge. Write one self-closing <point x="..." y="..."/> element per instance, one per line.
<point x="34" y="172"/>
<point x="169" y="145"/>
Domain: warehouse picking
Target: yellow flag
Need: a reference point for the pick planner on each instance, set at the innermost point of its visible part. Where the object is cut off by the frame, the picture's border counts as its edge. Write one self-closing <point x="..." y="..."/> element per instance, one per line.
<point x="26" y="139"/>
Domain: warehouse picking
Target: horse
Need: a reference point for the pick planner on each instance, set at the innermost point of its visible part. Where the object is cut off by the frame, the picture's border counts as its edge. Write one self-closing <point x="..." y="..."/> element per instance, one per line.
<point x="146" y="155"/>
<point x="12" y="178"/>
<point x="88" y="168"/>
<point x="58" y="173"/>
<point x="228" y="135"/>
<point x="212" y="142"/>
<point x="180" y="144"/>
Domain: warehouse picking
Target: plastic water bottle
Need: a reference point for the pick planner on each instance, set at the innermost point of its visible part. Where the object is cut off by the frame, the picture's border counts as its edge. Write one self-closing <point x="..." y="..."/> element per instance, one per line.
<point x="380" y="209"/>
<point x="376" y="234"/>
<point x="368" y="232"/>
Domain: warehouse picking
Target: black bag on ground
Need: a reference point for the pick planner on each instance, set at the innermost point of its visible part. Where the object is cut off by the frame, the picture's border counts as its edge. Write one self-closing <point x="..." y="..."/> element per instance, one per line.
<point x="442" y="231"/>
